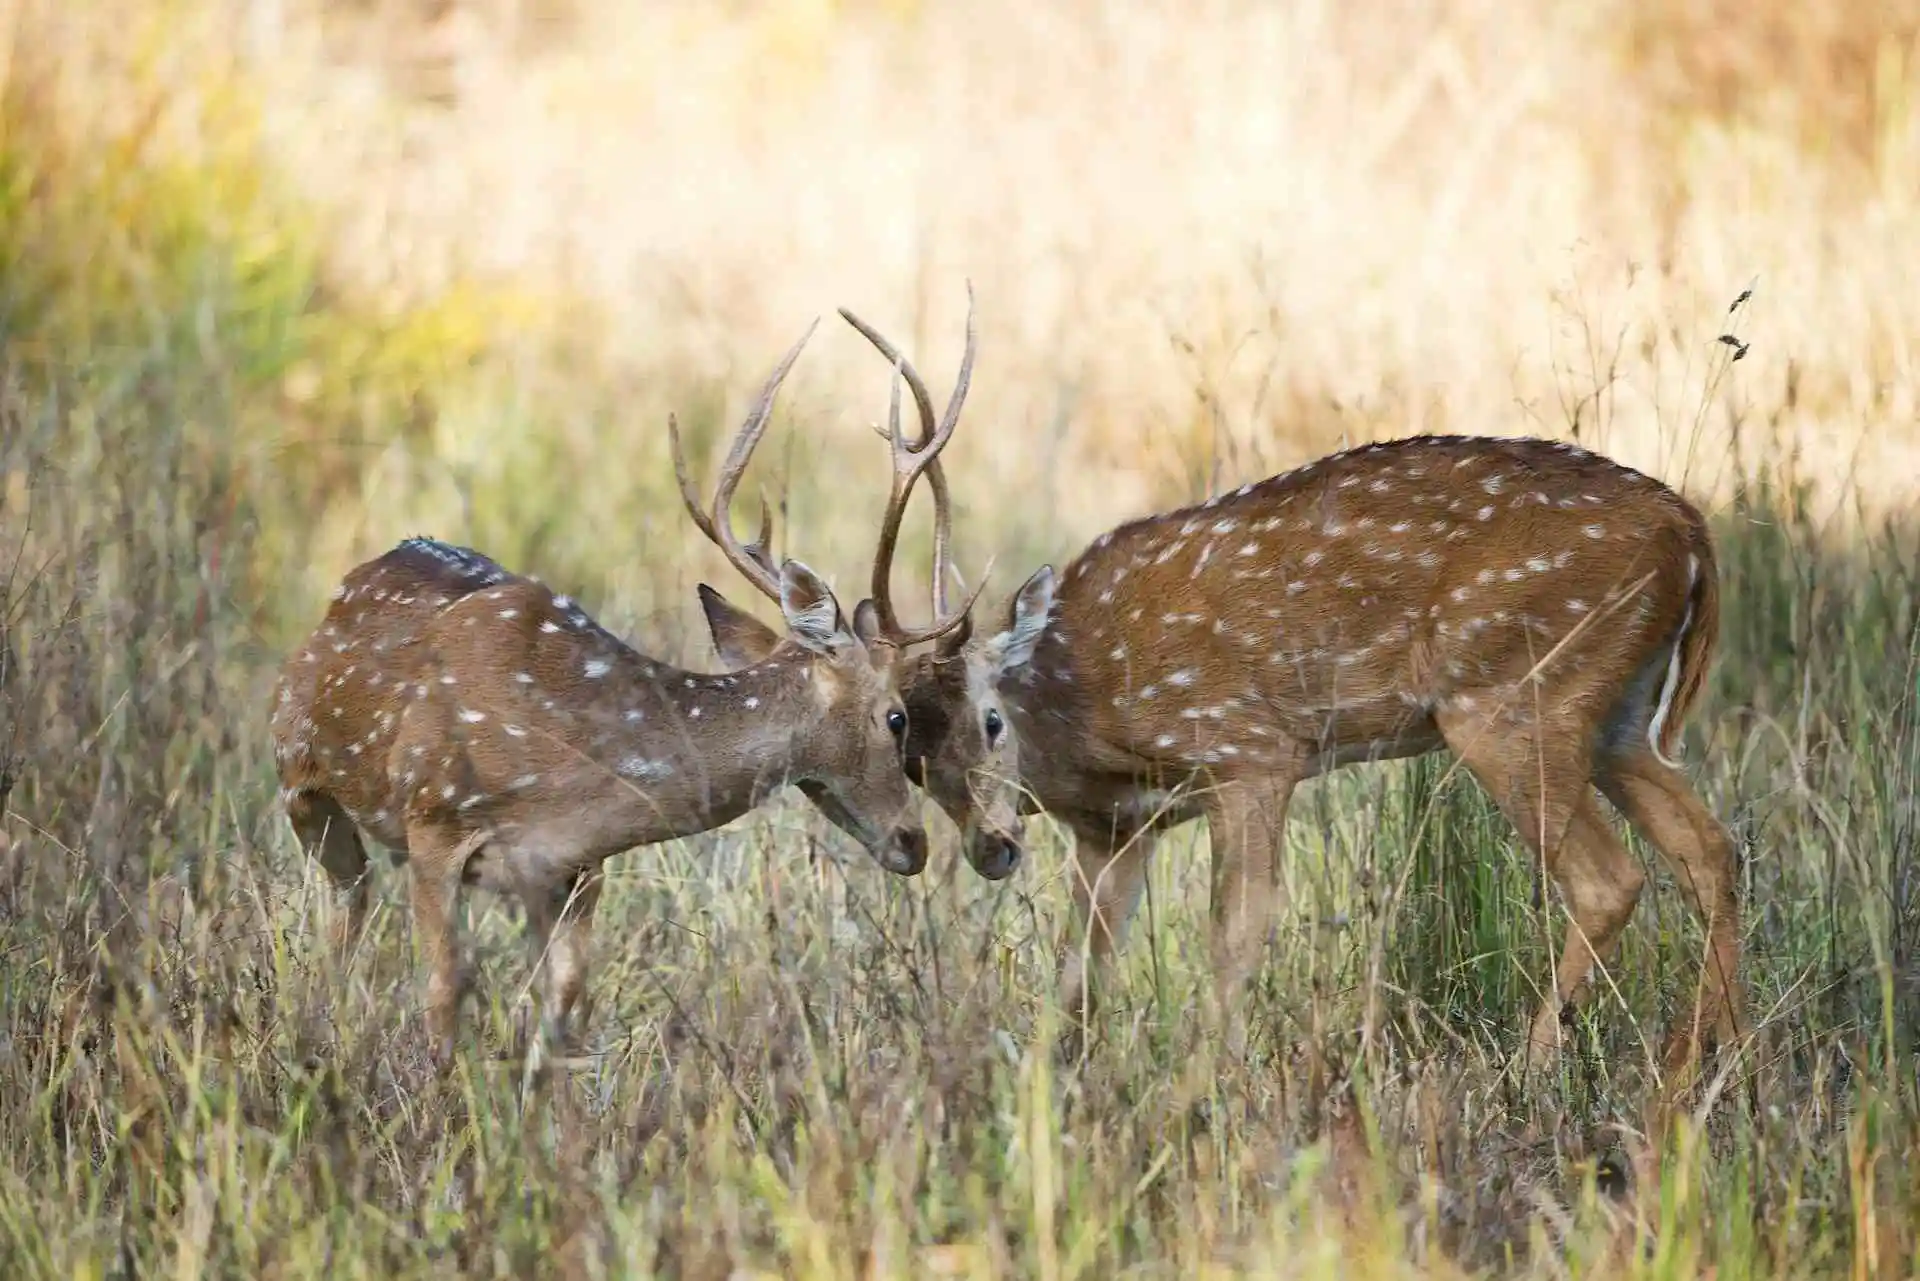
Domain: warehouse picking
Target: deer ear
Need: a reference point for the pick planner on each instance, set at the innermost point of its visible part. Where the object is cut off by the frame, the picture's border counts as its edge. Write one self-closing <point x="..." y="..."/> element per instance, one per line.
<point x="813" y="615"/>
<point x="866" y="626"/>
<point x="740" y="639"/>
<point x="866" y="623"/>
<point x="1026" y="623"/>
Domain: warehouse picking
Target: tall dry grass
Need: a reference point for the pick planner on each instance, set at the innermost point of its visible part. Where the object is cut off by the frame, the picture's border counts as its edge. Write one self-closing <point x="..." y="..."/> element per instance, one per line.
<point x="280" y="283"/>
<point x="1223" y="229"/>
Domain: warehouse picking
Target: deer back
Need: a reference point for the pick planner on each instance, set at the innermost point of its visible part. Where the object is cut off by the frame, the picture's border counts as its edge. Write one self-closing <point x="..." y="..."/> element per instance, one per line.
<point x="1339" y="605"/>
<point x="441" y="687"/>
<point x="341" y="696"/>
<point x="537" y="720"/>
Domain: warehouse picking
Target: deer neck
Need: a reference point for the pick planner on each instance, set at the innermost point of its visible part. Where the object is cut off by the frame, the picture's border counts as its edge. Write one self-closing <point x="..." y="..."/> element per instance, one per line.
<point x="1067" y="765"/>
<point x="737" y="738"/>
<point x="1046" y="706"/>
<point x="648" y="752"/>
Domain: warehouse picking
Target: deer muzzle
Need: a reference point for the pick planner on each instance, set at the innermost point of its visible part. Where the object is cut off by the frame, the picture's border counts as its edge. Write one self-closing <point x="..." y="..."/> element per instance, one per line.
<point x="904" y="852"/>
<point x="994" y="854"/>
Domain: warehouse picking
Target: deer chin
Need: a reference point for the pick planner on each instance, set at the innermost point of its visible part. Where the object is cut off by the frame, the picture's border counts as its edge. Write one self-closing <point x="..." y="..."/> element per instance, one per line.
<point x="902" y="851"/>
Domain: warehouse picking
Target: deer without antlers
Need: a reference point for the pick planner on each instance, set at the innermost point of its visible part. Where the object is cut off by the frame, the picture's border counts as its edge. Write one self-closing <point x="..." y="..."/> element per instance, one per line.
<point x="1547" y="614"/>
<point x="489" y="732"/>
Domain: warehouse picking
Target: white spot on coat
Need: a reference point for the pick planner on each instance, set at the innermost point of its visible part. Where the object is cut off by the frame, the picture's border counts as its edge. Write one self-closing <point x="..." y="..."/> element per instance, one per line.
<point x="642" y="768"/>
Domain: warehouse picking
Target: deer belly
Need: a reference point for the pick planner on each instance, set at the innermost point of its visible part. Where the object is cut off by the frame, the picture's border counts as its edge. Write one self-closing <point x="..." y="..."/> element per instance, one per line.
<point x="1416" y="738"/>
<point x="1326" y="702"/>
<point x="1357" y="718"/>
<point x="385" y="823"/>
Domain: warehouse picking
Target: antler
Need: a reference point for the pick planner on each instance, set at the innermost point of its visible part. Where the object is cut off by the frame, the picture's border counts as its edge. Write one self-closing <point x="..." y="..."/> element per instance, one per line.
<point x="754" y="560"/>
<point x="910" y="459"/>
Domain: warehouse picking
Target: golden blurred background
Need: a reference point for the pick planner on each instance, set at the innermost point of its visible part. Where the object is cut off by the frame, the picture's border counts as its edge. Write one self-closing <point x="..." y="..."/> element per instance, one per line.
<point x="501" y="239"/>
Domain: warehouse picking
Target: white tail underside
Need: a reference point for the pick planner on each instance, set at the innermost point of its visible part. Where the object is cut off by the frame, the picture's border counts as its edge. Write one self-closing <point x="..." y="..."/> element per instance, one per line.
<point x="1672" y="682"/>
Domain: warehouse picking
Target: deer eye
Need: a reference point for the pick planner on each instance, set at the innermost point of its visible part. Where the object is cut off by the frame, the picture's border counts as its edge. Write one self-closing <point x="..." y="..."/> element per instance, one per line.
<point x="897" y="723"/>
<point x="994" y="726"/>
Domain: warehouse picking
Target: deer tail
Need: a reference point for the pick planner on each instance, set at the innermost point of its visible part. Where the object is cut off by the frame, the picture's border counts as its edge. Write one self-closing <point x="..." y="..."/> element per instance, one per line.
<point x="1692" y="655"/>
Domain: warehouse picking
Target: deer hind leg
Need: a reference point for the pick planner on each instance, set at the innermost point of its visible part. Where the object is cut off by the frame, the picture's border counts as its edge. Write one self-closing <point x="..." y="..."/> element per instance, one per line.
<point x="1106" y="888"/>
<point x="1538" y="773"/>
<point x="1246" y="821"/>
<point x="438" y="863"/>
<point x="1657" y="800"/>
<point x="1600" y="882"/>
<point x="330" y="838"/>
<point x="561" y="935"/>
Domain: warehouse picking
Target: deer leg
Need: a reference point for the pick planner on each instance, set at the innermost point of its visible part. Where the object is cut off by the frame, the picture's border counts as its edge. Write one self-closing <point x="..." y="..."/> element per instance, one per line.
<point x="1246" y="822"/>
<point x="1106" y="888"/>
<point x="543" y="905"/>
<point x="1538" y="774"/>
<point x="329" y="837"/>
<point x="566" y="936"/>
<point x="1600" y="883"/>
<point x="436" y="867"/>
<point x="1657" y="800"/>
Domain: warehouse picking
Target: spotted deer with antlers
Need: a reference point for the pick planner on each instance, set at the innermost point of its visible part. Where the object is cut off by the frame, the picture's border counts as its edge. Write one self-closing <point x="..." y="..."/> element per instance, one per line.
<point x="954" y="704"/>
<point x="490" y="733"/>
<point x="1547" y="614"/>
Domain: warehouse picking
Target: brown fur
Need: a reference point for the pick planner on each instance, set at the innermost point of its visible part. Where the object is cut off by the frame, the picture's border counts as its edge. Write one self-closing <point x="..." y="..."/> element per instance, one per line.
<point x="489" y="732"/>
<point x="1516" y="601"/>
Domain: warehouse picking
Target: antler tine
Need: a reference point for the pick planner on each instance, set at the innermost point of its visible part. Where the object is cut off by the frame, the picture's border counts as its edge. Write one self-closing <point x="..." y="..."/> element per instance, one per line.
<point x="753" y="560"/>
<point x="904" y="369"/>
<point x="689" y="496"/>
<point x="942" y="538"/>
<point x="937" y="480"/>
<point x="882" y="587"/>
<point x="761" y="548"/>
<point x="882" y="590"/>
<point x="910" y="459"/>
<point x="962" y="381"/>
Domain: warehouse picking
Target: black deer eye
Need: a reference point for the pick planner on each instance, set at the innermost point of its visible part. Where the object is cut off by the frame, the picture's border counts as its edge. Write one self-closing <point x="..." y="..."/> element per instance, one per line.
<point x="897" y="722"/>
<point x="994" y="726"/>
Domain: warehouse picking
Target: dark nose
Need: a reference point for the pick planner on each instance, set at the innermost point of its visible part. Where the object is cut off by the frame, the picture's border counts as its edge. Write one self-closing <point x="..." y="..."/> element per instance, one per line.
<point x="909" y="851"/>
<point x="1002" y="856"/>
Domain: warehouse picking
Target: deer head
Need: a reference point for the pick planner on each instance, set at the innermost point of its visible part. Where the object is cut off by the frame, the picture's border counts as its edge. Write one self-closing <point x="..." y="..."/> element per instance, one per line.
<point x="961" y="746"/>
<point x="848" y="761"/>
